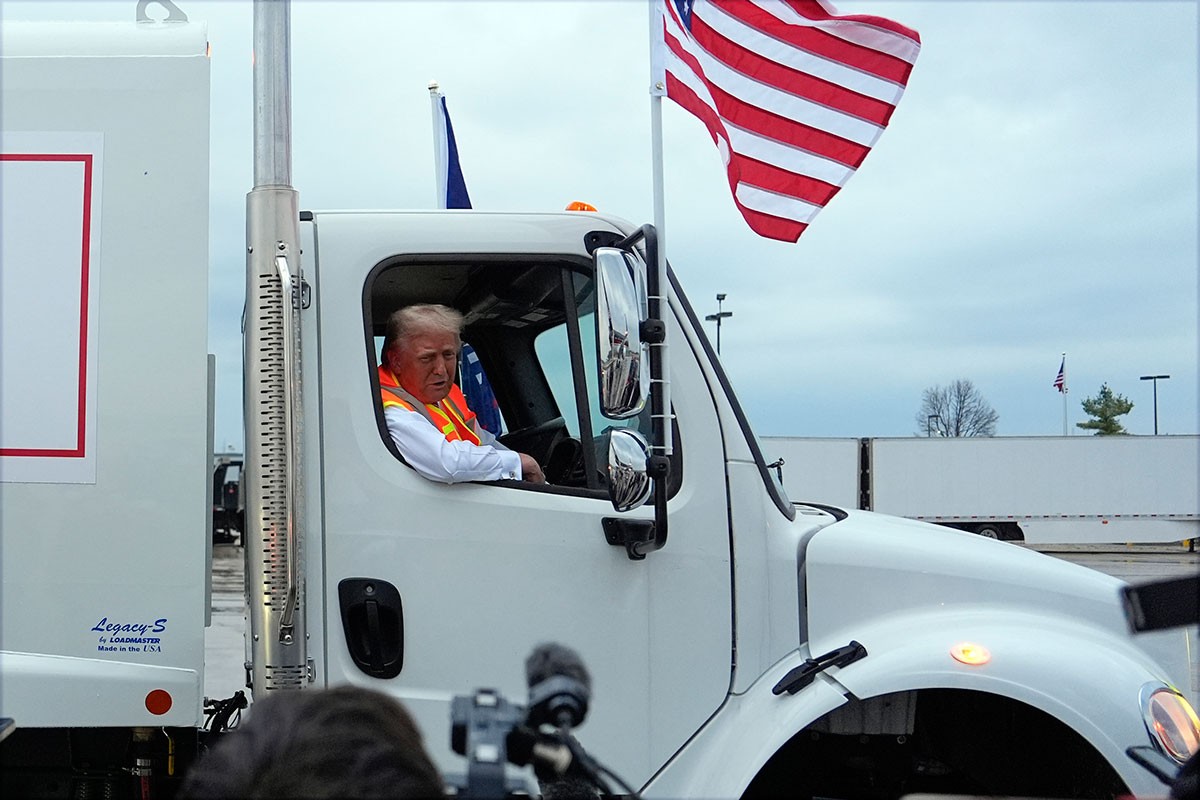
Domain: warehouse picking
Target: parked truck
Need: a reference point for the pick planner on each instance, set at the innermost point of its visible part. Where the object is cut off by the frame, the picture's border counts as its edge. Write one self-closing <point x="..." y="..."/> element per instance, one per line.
<point x="1039" y="489"/>
<point x="227" y="511"/>
<point x="763" y="648"/>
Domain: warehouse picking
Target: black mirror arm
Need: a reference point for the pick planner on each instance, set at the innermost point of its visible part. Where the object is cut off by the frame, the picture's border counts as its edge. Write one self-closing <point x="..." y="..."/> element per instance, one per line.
<point x="653" y="331"/>
<point x="642" y="536"/>
<point x="658" y="468"/>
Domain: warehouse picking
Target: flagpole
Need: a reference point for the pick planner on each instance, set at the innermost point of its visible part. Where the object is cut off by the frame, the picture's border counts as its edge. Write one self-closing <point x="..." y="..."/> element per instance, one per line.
<point x="658" y="88"/>
<point x="439" y="145"/>
<point x="1064" y="394"/>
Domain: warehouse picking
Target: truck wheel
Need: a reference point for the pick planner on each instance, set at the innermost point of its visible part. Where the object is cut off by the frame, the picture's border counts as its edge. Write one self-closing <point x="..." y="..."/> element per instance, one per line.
<point x="989" y="531"/>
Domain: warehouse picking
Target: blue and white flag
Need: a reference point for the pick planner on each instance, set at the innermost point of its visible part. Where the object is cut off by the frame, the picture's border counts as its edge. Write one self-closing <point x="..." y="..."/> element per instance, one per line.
<point x="478" y="391"/>
<point x="452" y="193"/>
<point x="452" y="189"/>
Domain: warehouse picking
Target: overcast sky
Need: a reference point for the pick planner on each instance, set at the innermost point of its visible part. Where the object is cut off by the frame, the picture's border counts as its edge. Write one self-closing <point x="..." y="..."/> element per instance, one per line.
<point x="1035" y="193"/>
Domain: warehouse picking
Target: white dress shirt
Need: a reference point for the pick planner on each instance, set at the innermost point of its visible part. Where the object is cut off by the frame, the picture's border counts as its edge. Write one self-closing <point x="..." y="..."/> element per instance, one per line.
<point x="427" y="450"/>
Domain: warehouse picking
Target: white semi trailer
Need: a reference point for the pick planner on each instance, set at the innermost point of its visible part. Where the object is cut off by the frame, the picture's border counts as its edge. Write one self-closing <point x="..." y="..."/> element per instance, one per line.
<point x="1040" y="489"/>
<point x="763" y="649"/>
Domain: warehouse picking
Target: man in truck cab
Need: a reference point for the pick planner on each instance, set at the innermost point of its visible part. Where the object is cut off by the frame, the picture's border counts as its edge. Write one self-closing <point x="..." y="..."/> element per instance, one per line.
<point x="426" y="413"/>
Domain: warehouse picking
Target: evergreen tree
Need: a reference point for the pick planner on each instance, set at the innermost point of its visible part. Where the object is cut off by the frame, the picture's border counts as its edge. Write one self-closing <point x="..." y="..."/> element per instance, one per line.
<point x="1105" y="407"/>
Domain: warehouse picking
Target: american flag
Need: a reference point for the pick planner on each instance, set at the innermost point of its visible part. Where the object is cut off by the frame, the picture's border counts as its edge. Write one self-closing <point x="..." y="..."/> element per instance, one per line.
<point x="1060" y="382"/>
<point x="793" y="95"/>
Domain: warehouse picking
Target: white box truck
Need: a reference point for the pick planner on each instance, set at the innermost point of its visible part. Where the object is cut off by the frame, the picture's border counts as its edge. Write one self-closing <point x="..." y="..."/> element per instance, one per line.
<point x="764" y="648"/>
<point x="1037" y="489"/>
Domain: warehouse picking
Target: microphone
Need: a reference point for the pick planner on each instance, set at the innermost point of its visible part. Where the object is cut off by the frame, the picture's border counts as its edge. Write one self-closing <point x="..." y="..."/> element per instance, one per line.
<point x="559" y="686"/>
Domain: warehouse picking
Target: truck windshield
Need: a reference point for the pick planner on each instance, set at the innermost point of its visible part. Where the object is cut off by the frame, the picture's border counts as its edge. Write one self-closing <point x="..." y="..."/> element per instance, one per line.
<point x="770" y="480"/>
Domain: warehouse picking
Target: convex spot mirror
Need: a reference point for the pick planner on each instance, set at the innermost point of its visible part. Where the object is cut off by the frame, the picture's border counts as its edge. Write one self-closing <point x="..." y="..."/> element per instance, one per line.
<point x="621" y="305"/>
<point x="629" y="485"/>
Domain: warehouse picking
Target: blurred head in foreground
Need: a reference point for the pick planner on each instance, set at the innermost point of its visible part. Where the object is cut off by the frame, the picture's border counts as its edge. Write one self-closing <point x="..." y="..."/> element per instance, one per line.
<point x="345" y="742"/>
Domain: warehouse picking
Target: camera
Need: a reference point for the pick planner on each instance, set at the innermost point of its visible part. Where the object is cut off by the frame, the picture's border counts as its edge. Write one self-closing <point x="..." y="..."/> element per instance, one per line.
<point x="480" y="727"/>
<point x="492" y="731"/>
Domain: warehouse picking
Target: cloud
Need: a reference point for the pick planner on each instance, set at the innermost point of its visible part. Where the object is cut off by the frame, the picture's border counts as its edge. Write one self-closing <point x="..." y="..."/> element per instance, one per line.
<point x="1035" y="193"/>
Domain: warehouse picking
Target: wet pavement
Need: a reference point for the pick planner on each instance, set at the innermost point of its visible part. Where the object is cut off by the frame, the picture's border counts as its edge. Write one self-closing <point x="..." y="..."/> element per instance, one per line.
<point x="224" y="648"/>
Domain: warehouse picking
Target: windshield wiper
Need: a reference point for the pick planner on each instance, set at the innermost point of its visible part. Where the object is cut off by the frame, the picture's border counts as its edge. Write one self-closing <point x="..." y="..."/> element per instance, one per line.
<point x="806" y="673"/>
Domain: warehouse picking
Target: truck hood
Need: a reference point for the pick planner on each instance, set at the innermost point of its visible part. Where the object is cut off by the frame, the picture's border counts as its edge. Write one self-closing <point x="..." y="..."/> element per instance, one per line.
<point x="868" y="565"/>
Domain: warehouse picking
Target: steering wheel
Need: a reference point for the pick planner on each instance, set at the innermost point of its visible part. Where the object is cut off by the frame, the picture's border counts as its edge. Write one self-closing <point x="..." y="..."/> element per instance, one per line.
<point x="551" y="444"/>
<point x="537" y="440"/>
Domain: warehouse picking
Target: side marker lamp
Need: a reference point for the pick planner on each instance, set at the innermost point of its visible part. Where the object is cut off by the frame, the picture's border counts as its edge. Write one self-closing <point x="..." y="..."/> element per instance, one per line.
<point x="971" y="654"/>
<point x="1172" y="723"/>
<point x="158" y="702"/>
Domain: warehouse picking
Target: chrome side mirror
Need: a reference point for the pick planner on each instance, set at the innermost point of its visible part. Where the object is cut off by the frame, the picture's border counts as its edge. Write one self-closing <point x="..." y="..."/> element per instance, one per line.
<point x="629" y="485"/>
<point x="621" y="305"/>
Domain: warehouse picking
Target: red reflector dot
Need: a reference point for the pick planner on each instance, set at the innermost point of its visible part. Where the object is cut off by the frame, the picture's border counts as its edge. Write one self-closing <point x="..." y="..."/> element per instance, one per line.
<point x="158" y="702"/>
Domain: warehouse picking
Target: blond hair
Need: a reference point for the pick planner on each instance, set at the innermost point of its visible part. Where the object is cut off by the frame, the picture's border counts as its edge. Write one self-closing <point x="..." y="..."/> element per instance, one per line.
<point x="420" y="318"/>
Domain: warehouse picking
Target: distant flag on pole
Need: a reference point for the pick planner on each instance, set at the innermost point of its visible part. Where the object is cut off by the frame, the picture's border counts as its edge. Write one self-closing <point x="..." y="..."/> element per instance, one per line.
<point x="793" y="95"/>
<point x="452" y="188"/>
<point x="1060" y="382"/>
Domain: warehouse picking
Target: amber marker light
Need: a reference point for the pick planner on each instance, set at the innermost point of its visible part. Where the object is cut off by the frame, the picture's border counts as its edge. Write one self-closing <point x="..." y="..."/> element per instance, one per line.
<point x="579" y="205"/>
<point x="971" y="654"/>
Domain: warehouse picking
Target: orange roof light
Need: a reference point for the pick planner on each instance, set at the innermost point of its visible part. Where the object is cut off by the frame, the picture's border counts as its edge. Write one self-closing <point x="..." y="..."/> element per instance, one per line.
<point x="971" y="654"/>
<point x="579" y="205"/>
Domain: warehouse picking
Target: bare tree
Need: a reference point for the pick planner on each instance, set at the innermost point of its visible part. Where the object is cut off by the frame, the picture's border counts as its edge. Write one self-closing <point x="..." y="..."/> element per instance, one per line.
<point x="957" y="409"/>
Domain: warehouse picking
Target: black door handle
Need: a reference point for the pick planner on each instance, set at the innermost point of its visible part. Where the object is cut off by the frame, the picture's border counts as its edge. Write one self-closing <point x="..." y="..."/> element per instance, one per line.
<point x="374" y="637"/>
<point x="373" y="623"/>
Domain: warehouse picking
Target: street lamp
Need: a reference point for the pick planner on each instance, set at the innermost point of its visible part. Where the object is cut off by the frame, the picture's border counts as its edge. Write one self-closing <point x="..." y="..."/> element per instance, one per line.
<point x="717" y="317"/>
<point x="929" y="423"/>
<point x="1156" y="379"/>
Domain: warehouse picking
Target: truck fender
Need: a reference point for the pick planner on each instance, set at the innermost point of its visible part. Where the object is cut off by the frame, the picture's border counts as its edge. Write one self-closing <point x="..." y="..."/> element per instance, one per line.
<point x="1082" y="674"/>
<point x="725" y="755"/>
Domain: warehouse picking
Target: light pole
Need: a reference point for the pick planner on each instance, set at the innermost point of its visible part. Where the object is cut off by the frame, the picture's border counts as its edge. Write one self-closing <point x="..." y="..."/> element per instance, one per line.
<point x="929" y="423"/>
<point x="1155" y="379"/>
<point x="717" y="317"/>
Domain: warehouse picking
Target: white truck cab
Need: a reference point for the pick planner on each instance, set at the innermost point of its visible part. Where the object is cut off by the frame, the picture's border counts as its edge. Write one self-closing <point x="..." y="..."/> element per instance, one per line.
<point x="761" y="647"/>
<point x="691" y="645"/>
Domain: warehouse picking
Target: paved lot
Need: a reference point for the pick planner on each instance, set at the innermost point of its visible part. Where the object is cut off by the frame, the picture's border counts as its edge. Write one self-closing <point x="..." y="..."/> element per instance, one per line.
<point x="224" y="649"/>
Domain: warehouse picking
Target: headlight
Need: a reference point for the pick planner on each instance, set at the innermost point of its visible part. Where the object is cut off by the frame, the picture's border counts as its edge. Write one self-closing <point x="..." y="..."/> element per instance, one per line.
<point x="1172" y="723"/>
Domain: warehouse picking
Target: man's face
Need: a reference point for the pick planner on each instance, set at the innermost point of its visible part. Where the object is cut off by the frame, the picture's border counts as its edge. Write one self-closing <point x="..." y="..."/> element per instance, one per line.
<point x="424" y="364"/>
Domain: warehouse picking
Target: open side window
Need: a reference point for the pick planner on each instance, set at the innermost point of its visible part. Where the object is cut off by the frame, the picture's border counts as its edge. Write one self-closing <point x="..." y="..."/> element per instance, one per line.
<point x="531" y="323"/>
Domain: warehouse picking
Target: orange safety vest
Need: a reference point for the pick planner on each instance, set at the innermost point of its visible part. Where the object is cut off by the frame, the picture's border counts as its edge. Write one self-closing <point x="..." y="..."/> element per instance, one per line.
<point x="451" y="415"/>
